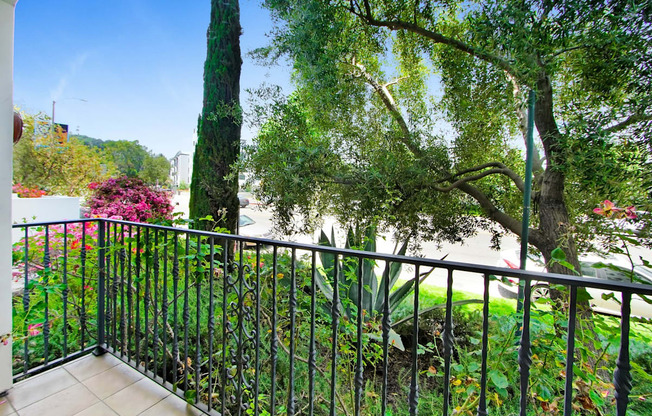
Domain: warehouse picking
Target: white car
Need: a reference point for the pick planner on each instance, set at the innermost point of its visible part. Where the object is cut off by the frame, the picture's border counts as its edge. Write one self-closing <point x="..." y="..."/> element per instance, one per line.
<point x="603" y="301"/>
<point x="247" y="227"/>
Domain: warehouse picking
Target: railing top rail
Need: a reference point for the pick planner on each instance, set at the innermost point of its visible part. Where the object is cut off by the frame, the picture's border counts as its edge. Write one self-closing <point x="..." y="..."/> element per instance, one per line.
<point x="58" y="222"/>
<point x="554" y="278"/>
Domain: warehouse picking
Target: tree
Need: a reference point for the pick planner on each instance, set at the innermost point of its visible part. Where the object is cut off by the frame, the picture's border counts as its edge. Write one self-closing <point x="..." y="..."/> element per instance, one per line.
<point x="132" y="159"/>
<point x="128" y="156"/>
<point x="357" y="142"/>
<point x="156" y="170"/>
<point x="40" y="160"/>
<point x="214" y="185"/>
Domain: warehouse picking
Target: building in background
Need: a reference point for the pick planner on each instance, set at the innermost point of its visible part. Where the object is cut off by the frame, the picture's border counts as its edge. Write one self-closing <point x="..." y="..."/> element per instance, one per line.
<point x="181" y="170"/>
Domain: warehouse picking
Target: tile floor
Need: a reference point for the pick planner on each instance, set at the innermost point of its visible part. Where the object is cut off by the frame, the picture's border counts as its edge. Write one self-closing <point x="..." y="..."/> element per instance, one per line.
<point x="92" y="386"/>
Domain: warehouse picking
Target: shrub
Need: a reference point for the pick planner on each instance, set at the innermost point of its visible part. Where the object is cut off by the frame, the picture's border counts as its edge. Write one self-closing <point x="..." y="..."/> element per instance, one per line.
<point x="129" y="199"/>
<point x="26" y="192"/>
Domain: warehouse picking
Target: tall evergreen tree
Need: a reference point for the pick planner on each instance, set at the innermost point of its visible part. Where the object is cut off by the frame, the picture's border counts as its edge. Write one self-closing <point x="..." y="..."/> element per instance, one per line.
<point x="214" y="188"/>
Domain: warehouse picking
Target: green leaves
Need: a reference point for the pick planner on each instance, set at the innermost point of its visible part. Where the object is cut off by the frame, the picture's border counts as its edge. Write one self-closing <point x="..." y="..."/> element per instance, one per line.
<point x="348" y="280"/>
<point x="558" y="256"/>
<point x="498" y="379"/>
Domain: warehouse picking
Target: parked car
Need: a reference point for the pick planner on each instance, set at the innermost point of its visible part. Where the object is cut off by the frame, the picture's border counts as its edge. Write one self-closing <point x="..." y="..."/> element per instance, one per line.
<point x="592" y="266"/>
<point x="244" y="202"/>
<point x="245" y="220"/>
<point x="247" y="228"/>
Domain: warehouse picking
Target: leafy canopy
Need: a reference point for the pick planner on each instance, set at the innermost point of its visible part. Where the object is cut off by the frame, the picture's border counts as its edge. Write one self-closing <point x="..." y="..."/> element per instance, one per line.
<point x="412" y="113"/>
<point x="41" y="161"/>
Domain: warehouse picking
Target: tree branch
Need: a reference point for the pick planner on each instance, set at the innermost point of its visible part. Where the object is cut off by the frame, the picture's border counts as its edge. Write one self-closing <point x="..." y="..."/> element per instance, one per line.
<point x="499" y="168"/>
<point x="493" y="212"/>
<point x="563" y="51"/>
<point x="633" y="119"/>
<point x="390" y="104"/>
<point x="396" y="81"/>
<point x="490" y="209"/>
<point x="481" y="175"/>
<point x="436" y="37"/>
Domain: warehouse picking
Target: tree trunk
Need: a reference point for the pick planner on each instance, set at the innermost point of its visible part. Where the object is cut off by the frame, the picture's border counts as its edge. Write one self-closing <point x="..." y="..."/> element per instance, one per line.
<point x="214" y="186"/>
<point x="554" y="221"/>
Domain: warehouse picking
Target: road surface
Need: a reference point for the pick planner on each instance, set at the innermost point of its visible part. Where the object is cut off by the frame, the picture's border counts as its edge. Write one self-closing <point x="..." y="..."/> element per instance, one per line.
<point x="475" y="250"/>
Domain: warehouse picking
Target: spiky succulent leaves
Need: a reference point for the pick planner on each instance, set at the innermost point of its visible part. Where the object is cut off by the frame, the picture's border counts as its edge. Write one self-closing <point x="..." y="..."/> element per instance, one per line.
<point x="397" y="296"/>
<point x="324" y="276"/>
<point x="369" y="279"/>
<point x="394" y="339"/>
<point x="348" y="275"/>
<point x="327" y="259"/>
<point x="390" y="275"/>
<point x="367" y="274"/>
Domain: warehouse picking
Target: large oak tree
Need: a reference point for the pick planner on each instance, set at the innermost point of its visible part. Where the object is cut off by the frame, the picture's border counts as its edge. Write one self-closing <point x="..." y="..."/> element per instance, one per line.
<point x="406" y="113"/>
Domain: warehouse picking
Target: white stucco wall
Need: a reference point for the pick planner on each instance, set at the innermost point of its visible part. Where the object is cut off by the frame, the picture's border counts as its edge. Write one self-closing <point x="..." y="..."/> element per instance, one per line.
<point x="6" y="151"/>
<point x="46" y="208"/>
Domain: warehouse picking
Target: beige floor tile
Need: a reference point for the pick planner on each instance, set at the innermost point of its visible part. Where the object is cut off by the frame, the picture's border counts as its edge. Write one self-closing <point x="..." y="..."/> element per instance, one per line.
<point x="136" y="398"/>
<point x="91" y="365"/>
<point x="112" y="380"/>
<point x="39" y="387"/>
<point x="99" y="409"/>
<point x="172" y="406"/>
<point x="65" y="403"/>
<point x="5" y="407"/>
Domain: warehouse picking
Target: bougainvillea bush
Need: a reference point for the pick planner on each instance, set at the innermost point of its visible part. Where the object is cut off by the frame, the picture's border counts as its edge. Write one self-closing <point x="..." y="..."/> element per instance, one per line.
<point x="27" y="192"/>
<point x="128" y="199"/>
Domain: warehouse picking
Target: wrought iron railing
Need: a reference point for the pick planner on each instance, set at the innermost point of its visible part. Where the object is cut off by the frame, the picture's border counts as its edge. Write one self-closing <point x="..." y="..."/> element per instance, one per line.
<point x="251" y="331"/>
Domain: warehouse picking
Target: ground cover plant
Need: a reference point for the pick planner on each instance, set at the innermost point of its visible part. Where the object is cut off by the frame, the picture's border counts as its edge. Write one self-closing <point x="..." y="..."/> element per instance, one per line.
<point x="56" y="275"/>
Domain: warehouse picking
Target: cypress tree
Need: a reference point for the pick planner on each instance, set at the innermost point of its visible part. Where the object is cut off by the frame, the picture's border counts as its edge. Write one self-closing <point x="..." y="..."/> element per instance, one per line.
<point x="214" y="188"/>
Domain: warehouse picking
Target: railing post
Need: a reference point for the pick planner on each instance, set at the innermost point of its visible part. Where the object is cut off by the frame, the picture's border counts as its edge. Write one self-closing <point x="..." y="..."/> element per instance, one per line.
<point x="101" y="289"/>
<point x="622" y="375"/>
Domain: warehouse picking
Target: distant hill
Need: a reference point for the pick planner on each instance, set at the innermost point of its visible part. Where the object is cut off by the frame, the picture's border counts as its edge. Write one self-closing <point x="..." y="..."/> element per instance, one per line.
<point x="89" y="141"/>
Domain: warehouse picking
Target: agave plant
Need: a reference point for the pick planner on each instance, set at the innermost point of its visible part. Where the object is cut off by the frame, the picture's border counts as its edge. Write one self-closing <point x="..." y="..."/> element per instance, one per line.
<point x="350" y="274"/>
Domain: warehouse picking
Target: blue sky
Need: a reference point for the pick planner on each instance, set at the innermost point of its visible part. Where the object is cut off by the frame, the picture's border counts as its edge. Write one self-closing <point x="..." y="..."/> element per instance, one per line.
<point x="137" y="63"/>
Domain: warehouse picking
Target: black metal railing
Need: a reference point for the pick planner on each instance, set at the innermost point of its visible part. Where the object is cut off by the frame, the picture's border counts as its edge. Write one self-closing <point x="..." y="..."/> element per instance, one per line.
<point x="254" y="331"/>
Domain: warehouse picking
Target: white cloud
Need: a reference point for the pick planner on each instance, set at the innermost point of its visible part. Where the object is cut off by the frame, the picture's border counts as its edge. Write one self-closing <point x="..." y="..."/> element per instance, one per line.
<point x="70" y="72"/>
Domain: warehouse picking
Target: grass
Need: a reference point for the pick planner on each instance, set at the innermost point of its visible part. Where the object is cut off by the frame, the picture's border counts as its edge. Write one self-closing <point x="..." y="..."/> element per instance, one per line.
<point x="430" y="296"/>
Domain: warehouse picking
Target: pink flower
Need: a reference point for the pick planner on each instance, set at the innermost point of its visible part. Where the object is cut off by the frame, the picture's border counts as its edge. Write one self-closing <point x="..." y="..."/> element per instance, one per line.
<point x="34" y="329"/>
<point x="630" y="212"/>
<point x="607" y="209"/>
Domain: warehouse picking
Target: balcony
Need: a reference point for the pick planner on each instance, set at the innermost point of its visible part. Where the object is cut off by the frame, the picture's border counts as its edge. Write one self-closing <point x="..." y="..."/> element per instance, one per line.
<point x="276" y="330"/>
<point x="93" y="386"/>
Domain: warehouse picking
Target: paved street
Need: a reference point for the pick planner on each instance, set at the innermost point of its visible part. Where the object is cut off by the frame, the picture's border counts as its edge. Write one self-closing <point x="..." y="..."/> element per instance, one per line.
<point x="475" y="250"/>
